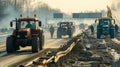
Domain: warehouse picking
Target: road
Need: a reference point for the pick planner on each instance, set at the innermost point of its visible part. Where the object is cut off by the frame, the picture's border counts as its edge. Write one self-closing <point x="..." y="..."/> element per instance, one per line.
<point x="26" y="52"/>
<point x="7" y="59"/>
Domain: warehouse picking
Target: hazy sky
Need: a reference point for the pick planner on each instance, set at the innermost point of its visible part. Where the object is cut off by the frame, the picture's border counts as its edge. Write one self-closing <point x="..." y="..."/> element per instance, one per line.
<point x="69" y="6"/>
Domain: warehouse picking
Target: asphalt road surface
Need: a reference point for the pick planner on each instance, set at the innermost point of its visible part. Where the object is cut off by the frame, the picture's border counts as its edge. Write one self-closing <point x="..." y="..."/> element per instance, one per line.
<point x="7" y="59"/>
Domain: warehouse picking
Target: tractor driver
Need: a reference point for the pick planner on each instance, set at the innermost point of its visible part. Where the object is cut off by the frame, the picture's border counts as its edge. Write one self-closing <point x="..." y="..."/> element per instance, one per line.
<point x="29" y="25"/>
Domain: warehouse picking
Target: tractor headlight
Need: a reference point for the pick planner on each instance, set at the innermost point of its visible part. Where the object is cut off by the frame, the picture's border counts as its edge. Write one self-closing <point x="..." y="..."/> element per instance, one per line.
<point x="18" y="36"/>
<point x="103" y="28"/>
<point x="26" y="36"/>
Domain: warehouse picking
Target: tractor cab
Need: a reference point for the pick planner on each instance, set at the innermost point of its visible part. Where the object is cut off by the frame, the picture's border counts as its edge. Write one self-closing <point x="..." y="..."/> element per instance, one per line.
<point x="106" y="22"/>
<point x="105" y="26"/>
<point x="64" y="25"/>
<point x="22" y="23"/>
<point x="65" y="28"/>
<point x="27" y="25"/>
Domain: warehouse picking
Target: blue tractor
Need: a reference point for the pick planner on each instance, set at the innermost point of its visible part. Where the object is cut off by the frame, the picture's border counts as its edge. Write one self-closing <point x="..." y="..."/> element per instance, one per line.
<point x="106" y="26"/>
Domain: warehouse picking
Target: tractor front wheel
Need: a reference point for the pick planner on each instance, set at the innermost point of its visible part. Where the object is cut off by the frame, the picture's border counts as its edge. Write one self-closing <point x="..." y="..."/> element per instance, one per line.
<point x="112" y="33"/>
<point x="34" y="44"/>
<point x="10" y="44"/>
<point x="98" y="34"/>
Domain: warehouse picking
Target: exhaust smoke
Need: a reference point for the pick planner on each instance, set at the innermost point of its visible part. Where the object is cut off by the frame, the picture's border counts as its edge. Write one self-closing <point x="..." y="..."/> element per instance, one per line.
<point x="11" y="14"/>
<point x="115" y="7"/>
<point x="26" y="8"/>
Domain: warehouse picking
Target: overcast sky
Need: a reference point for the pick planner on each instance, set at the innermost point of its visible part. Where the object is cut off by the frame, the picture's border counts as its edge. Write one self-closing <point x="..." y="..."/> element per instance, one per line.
<point x="69" y="6"/>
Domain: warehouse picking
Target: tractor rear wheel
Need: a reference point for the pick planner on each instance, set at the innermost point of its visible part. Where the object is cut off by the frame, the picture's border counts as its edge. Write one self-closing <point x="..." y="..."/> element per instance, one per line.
<point x="70" y="35"/>
<point x="112" y="33"/>
<point x="10" y="44"/>
<point x="59" y="34"/>
<point x="17" y="47"/>
<point x="34" y="44"/>
<point x="98" y="33"/>
<point x="41" y="42"/>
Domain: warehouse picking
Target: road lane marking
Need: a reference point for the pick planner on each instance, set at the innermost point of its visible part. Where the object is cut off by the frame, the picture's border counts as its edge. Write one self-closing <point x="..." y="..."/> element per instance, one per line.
<point x="3" y="54"/>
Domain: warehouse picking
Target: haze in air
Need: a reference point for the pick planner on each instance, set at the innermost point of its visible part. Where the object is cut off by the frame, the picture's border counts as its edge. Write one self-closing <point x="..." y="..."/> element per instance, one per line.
<point x="69" y="6"/>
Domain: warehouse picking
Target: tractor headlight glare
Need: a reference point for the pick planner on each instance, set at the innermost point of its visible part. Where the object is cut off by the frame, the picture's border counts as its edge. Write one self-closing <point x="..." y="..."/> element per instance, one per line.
<point x="18" y="36"/>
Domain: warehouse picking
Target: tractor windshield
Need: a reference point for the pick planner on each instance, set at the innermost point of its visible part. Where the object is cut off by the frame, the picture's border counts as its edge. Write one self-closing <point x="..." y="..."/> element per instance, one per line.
<point x="104" y="22"/>
<point x="27" y="24"/>
<point x="64" y="25"/>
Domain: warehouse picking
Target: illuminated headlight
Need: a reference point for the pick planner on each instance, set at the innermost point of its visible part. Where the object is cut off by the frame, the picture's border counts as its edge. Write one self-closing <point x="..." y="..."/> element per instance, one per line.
<point x="26" y="36"/>
<point x="104" y="28"/>
<point x="18" y="36"/>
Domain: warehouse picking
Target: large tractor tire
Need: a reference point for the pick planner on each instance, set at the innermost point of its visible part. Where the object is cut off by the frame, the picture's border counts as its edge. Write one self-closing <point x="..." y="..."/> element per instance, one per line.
<point x="98" y="34"/>
<point x="41" y="41"/>
<point x="10" y="44"/>
<point x="34" y="44"/>
<point x="70" y="34"/>
<point x="59" y="34"/>
<point x="17" y="47"/>
<point x="112" y="33"/>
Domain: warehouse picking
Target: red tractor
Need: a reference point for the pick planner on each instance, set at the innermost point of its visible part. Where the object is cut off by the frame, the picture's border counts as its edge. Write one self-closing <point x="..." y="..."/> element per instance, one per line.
<point x="27" y="33"/>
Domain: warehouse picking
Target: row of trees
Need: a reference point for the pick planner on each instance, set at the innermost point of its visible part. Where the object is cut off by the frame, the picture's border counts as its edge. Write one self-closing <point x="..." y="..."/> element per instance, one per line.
<point x="2" y="8"/>
<point x="4" y="4"/>
<point x="16" y="7"/>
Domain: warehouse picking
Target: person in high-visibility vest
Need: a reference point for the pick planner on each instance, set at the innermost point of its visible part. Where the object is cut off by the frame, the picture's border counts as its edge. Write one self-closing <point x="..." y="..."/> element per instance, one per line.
<point x="109" y="13"/>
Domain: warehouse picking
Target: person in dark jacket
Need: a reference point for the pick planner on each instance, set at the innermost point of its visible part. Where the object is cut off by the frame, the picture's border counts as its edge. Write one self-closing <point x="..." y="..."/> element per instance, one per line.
<point x="92" y="29"/>
<point x="51" y="31"/>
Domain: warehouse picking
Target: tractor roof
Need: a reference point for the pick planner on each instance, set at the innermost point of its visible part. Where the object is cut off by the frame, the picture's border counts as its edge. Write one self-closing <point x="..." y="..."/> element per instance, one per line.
<point x="105" y="18"/>
<point x="66" y="22"/>
<point x="28" y="19"/>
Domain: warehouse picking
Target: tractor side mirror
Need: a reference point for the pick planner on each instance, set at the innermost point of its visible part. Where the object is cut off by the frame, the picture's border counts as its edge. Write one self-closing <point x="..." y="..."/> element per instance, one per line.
<point x="96" y="20"/>
<point x="40" y="23"/>
<point x="11" y="24"/>
<point x="114" y="21"/>
<point x="58" y="24"/>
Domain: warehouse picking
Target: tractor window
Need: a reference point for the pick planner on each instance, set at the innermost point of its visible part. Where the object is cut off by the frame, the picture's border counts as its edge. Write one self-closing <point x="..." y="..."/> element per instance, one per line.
<point x="27" y="24"/>
<point x="113" y="22"/>
<point x="64" y="24"/>
<point x="104" y="22"/>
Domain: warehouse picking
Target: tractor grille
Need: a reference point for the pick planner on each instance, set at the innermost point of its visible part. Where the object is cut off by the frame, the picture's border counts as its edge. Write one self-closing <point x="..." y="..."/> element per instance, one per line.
<point x="22" y="35"/>
<point x="105" y="28"/>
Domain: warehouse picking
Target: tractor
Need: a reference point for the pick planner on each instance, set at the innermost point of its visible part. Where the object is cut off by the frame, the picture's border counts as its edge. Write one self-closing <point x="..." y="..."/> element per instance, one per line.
<point x="65" y="28"/>
<point x="27" y="32"/>
<point x="105" y="26"/>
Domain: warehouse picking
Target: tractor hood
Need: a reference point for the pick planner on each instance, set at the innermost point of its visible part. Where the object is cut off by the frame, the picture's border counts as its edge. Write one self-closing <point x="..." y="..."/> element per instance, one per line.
<point x="105" y="26"/>
<point x="24" y="33"/>
<point x="24" y="30"/>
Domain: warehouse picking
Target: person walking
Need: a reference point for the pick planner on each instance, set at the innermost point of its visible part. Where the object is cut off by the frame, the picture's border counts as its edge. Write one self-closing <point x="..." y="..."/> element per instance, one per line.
<point x="92" y="29"/>
<point x="51" y="31"/>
